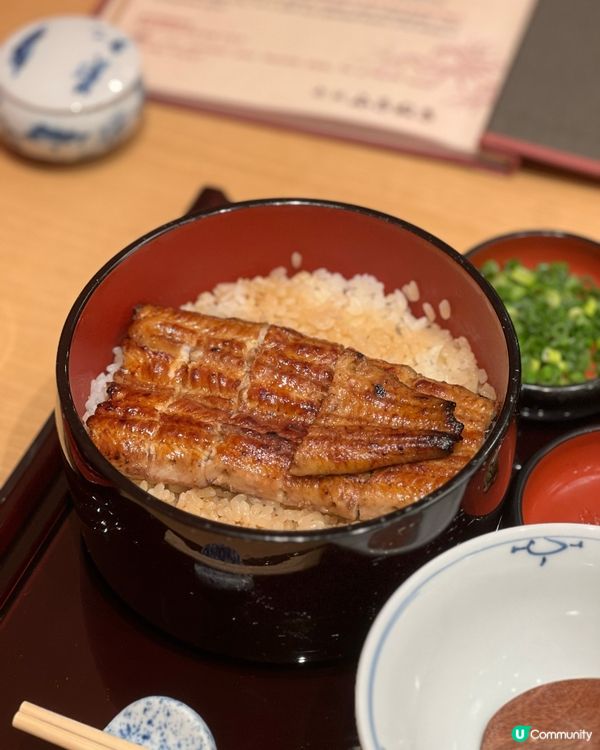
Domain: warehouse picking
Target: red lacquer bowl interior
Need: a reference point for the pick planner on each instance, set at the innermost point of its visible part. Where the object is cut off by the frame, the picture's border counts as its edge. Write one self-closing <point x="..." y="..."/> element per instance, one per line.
<point x="173" y="266"/>
<point x="533" y="248"/>
<point x="563" y="485"/>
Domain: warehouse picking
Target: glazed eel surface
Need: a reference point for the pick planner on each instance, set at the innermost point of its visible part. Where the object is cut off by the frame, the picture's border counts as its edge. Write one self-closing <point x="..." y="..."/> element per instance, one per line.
<point x="267" y="411"/>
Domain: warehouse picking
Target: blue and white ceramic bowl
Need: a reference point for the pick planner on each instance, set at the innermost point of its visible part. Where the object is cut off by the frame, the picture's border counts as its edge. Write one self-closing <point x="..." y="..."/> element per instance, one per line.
<point x="475" y="627"/>
<point x="70" y="88"/>
<point x="158" y="722"/>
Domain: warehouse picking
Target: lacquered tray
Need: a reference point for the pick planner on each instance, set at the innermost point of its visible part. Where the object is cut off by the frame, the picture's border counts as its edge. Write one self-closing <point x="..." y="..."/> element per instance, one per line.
<point x="67" y="643"/>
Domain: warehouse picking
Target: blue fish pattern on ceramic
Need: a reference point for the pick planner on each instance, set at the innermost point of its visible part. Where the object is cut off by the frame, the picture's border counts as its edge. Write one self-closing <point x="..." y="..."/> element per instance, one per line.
<point x="117" y="45"/>
<point x="554" y="547"/>
<point x="88" y="73"/>
<point x="161" y="723"/>
<point x="74" y="89"/>
<point x="24" y="49"/>
<point x="55" y="136"/>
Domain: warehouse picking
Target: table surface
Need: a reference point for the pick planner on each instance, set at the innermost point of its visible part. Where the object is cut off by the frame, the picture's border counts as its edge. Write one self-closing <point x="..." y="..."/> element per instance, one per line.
<point x="60" y="224"/>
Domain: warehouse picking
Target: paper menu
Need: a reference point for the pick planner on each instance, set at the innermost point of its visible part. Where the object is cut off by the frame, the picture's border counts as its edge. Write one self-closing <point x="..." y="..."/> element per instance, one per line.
<point x="417" y="73"/>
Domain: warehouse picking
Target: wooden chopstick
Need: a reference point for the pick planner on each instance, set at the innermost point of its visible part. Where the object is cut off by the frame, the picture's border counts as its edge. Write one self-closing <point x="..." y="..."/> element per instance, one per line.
<point x="64" y="732"/>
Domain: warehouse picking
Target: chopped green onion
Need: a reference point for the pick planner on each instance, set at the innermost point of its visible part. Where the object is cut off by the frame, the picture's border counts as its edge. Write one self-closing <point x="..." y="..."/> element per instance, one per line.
<point x="490" y="267"/>
<point x="591" y="306"/>
<point x="552" y="298"/>
<point x="550" y="355"/>
<point x="556" y="315"/>
<point x="522" y="275"/>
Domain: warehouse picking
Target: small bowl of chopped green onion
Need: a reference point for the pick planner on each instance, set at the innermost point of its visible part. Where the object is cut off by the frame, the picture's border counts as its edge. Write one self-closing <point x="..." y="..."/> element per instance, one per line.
<point x="550" y="285"/>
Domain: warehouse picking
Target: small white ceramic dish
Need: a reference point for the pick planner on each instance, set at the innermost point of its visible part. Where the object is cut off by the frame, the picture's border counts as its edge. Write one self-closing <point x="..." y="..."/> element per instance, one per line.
<point x="475" y="627"/>
<point x="70" y="88"/>
<point x="158" y="722"/>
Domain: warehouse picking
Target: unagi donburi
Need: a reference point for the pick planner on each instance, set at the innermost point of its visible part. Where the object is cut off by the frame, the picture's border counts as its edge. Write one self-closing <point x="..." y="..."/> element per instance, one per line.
<point x="282" y="427"/>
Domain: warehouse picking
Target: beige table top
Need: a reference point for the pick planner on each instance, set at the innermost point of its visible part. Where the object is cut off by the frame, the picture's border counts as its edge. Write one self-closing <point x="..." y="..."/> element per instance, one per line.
<point x="60" y="224"/>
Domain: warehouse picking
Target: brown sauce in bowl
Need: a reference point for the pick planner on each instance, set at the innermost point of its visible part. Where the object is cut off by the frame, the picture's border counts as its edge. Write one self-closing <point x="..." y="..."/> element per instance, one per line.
<point x="563" y="715"/>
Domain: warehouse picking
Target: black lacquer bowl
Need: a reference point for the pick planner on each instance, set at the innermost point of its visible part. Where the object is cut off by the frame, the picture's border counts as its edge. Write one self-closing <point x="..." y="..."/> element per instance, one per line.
<point x="280" y="596"/>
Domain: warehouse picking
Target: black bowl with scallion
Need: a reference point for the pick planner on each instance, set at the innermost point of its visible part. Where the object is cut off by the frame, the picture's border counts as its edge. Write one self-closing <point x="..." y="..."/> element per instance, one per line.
<point x="550" y="284"/>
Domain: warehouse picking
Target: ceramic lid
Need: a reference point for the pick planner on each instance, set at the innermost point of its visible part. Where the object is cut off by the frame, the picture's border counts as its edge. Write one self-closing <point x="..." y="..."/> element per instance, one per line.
<point x="68" y="63"/>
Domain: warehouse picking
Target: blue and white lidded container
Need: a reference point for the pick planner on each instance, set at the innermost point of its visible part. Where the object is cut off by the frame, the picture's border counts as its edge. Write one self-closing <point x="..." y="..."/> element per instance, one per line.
<point x="70" y="88"/>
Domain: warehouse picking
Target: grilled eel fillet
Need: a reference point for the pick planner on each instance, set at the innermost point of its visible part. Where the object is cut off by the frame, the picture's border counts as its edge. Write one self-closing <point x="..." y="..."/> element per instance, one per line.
<point x="264" y="410"/>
